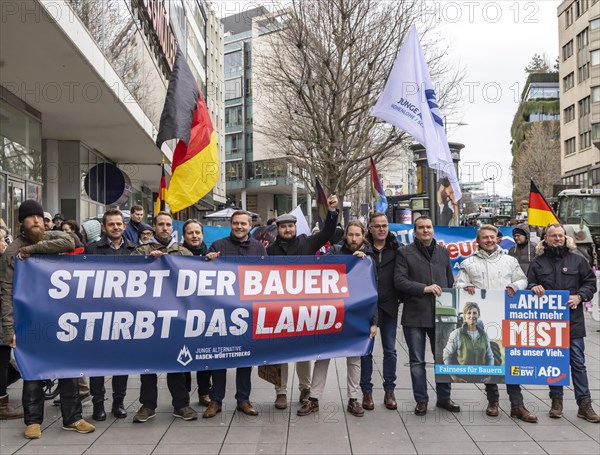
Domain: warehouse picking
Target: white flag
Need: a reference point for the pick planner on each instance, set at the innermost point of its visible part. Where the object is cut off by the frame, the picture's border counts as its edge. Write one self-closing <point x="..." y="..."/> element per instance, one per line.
<point x="408" y="102"/>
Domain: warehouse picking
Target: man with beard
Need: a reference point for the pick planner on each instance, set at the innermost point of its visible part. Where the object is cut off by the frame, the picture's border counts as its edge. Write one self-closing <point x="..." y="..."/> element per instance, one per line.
<point x="385" y="248"/>
<point x="163" y="243"/>
<point x="112" y="243"/>
<point x="239" y="243"/>
<point x="558" y="266"/>
<point x="134" y="227"/>
<point x="353" y="244"/>
<point x="290" y="244"/>
<point x="422" y="270"/>
<point x="490" y="268"/>
<point x="193" y="240"/>
<point x="34" y="239"/>
<point x="48" y="224"/>
<point x="523" y="251"/>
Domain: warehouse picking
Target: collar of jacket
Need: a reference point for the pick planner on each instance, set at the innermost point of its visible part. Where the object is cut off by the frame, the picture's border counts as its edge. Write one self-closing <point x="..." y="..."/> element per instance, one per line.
<point x="390" y="241"/>
<point x="238" y="241"/>
<point x="104" y="241"/>
<point x="482" y="254"/>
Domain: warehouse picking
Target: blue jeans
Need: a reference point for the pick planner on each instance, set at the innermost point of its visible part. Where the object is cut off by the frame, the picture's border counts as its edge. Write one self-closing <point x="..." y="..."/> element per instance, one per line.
<point x="578" y="373"/>
<point x="415" y="339"/>
<point x="243" y="384"/>
<point x="387" y="327"/>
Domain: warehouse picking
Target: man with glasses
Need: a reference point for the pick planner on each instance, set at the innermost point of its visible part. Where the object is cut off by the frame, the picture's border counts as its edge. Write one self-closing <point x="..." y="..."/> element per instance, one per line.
<point x="385" y="248"/>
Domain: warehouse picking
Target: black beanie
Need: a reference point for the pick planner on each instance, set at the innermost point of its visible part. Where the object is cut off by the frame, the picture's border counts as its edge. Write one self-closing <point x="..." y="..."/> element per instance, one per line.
<point x="520" y="231"/>
<point x="28" y="208"/>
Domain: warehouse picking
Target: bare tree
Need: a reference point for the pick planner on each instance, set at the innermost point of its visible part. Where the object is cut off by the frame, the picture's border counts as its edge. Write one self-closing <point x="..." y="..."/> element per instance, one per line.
<point x="321" y="70"/>
<point x="538" y="159"/>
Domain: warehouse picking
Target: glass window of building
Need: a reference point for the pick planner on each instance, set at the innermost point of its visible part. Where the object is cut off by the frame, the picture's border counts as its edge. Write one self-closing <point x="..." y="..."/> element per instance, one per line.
<point x="234" y="171"/>
<point x="584" y="106"/>
<point x="568" y="82"/>
<point x="233" y="116"/>
<point x="233" y="62"/>
<point x="233" y="88"/>
<point x="570" y="146"/>
<point x="567" y="50"/>
<point x="569" y="114"/>
<point x="595" y="24"/>
<point x="233" y="143"/>
<point x="595" y="57"/>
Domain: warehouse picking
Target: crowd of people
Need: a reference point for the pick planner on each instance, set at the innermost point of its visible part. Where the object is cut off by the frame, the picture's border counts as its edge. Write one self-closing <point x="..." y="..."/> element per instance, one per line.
<point x="409" y="279"/>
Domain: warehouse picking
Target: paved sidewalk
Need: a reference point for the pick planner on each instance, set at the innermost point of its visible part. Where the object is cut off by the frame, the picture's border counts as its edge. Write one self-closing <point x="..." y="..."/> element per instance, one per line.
<point x="332" y="430"/>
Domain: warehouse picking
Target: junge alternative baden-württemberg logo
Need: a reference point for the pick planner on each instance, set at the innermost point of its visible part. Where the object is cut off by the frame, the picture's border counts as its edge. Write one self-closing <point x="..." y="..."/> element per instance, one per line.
<point x="185" y="356"/>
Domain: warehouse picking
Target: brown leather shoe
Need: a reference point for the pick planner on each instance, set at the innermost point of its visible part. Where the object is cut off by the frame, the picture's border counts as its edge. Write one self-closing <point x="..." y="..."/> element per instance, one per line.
<point x="492" y="409"/>
<point x="523" y="414"/>
<point x="556" y="410"/>
<point x="308" y="407"/>
<point x="212" y="410"/>
<point x="448" y="405"/>
<point x="247" y="408"/>
<point x="586" y="411"/>
<point x="355" y="408"/>
<point x="389" y="400"/>
<point x="367" y="401"/>
<point x="421" y="408"/>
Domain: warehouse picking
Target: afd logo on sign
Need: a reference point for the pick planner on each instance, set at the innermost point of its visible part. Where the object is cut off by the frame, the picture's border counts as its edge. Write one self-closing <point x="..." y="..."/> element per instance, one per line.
<point x="522" y="371"/>
<point x="552" y="374"/>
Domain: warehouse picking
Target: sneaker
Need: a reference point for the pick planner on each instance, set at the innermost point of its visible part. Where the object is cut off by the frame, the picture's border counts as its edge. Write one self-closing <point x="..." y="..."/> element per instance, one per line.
<point x="304" y="394"/>
<point x="33" y="431"/>
<point x="281" y="401"/>
<point x="81" y="426"/>
<point x="186" y="413"/>
<point x="309" y="406"/>
<point x="144" y="414"/>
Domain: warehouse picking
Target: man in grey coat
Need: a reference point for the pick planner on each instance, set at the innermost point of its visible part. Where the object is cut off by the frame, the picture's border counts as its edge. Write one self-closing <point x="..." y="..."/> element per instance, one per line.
<point x="524" y="250"/>
<point x="422" y="270"/>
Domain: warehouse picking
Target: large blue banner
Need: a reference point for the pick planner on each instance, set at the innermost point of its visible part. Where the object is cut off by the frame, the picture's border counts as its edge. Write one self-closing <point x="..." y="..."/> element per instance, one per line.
<point x="99" y="315"/>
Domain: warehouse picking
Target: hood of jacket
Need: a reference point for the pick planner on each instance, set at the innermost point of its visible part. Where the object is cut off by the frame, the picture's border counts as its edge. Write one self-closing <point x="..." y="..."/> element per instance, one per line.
<point x="570" y="243"/>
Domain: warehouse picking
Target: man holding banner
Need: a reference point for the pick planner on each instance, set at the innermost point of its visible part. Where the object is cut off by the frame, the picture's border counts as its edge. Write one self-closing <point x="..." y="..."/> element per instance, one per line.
<point x="163" y="243"/>
<point x="34" y="239"/>
<point x="490" y="268"/>
<point x="557" y="266"/>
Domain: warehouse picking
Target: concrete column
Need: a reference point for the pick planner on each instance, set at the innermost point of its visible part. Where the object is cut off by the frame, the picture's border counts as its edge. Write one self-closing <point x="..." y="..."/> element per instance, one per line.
<point x="243" y="199"/>
<point x="50" y="175"/>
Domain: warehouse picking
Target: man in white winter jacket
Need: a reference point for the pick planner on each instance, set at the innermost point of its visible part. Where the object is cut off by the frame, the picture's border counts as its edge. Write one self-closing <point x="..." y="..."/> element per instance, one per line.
<point x="490" y="268"/>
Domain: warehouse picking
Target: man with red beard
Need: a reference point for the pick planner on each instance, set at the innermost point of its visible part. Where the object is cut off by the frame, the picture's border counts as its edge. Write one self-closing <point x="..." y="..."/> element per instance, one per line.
<point x="33" y="239"/>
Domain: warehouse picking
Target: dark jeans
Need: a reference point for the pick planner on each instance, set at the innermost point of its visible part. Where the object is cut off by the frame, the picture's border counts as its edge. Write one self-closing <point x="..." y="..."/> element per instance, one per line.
<point x="176" y="384"/>
<point x="203" y="380"/>
<point x="387" y="327"/>
<point x="4" y="365"/>
<point x="98" y="391"/>
<point x="33" y="401"/>
<point x="243" y="384"/>
<point x="578" y="373"/>
<point x="513" y="390"/>
<point x="415" y="339"/>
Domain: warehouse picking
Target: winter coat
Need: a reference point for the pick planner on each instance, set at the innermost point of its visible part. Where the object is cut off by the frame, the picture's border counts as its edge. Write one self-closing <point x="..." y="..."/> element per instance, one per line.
<point x="231" y="246"/>
<point x="172" y="248"/>
<point x="55" y="242"/>
<point x="570" y="272"/>
<point x="525" y="253"/>
<point x="303" y="245"/>
<point x="388" y="297"/>
<point x="103" y="247"/>
<point x="132" y="232"/>
<point x="415" y="269"/>
<point x="491" y="271"/>
<point x="342" y="249"/>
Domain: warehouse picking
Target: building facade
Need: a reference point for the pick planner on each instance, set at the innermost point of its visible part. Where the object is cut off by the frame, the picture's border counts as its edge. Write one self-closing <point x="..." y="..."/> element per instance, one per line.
<point x="579" y="73"/>
<point x="82" y="87"/>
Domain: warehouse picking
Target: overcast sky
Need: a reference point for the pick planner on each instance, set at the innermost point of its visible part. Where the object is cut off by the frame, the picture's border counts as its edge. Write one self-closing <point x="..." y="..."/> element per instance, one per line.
<point x="493" y="41"/>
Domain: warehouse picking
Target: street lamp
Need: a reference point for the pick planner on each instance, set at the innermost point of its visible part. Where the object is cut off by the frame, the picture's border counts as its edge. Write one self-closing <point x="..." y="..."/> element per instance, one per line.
<point x="452" y="123"/>
<point x="493" y="180"/>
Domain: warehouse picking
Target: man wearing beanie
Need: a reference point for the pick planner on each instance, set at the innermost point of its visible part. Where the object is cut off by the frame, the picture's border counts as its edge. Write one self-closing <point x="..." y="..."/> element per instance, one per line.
<point x="523" y="251"/>
<point x="34" y="239"/>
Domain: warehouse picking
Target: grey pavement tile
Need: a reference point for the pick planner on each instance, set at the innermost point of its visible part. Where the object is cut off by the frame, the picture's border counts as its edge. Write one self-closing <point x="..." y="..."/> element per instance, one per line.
<point x="256" y="449"/>
<point x="560" y="448"/>
<point x="384" y="448"/>
<point x="9" y="449"/>
<point x="429" y="420"/>
<point x="315" y="431"/>
<point x="497" y="433"/>
<point x="323" y="448"/>
<point x="556" y="433"/>
<point x="253" y="435"/>
<point x="124" y="449"/>
<point x="143" y="434"/>
<point x="447" y="448"/>
<point x="438" y="433"/>
<point x="31" y="449"/>
<point x="172" y="449"/>
<point x="514" y="448"/>
<point x="187" y="435"/>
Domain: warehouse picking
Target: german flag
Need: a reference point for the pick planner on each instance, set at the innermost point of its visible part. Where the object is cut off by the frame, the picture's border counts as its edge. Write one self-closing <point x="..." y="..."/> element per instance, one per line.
<point x="539" y="212"/>
<point x="195" y="167"/>
<point x="322" y="205"/>
<point x="162" y="190"/>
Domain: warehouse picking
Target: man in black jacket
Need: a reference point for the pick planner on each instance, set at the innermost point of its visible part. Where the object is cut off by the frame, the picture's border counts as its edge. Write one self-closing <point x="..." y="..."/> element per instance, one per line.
<point x="239" y="243"/>
<point x="112" y="243"/>
<point x="422" y="270"/>
<point x="524" y="250"/>
<point x="385" y="248"/>
<point x="290" y="244"/>
<point x="558" y="267"/>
